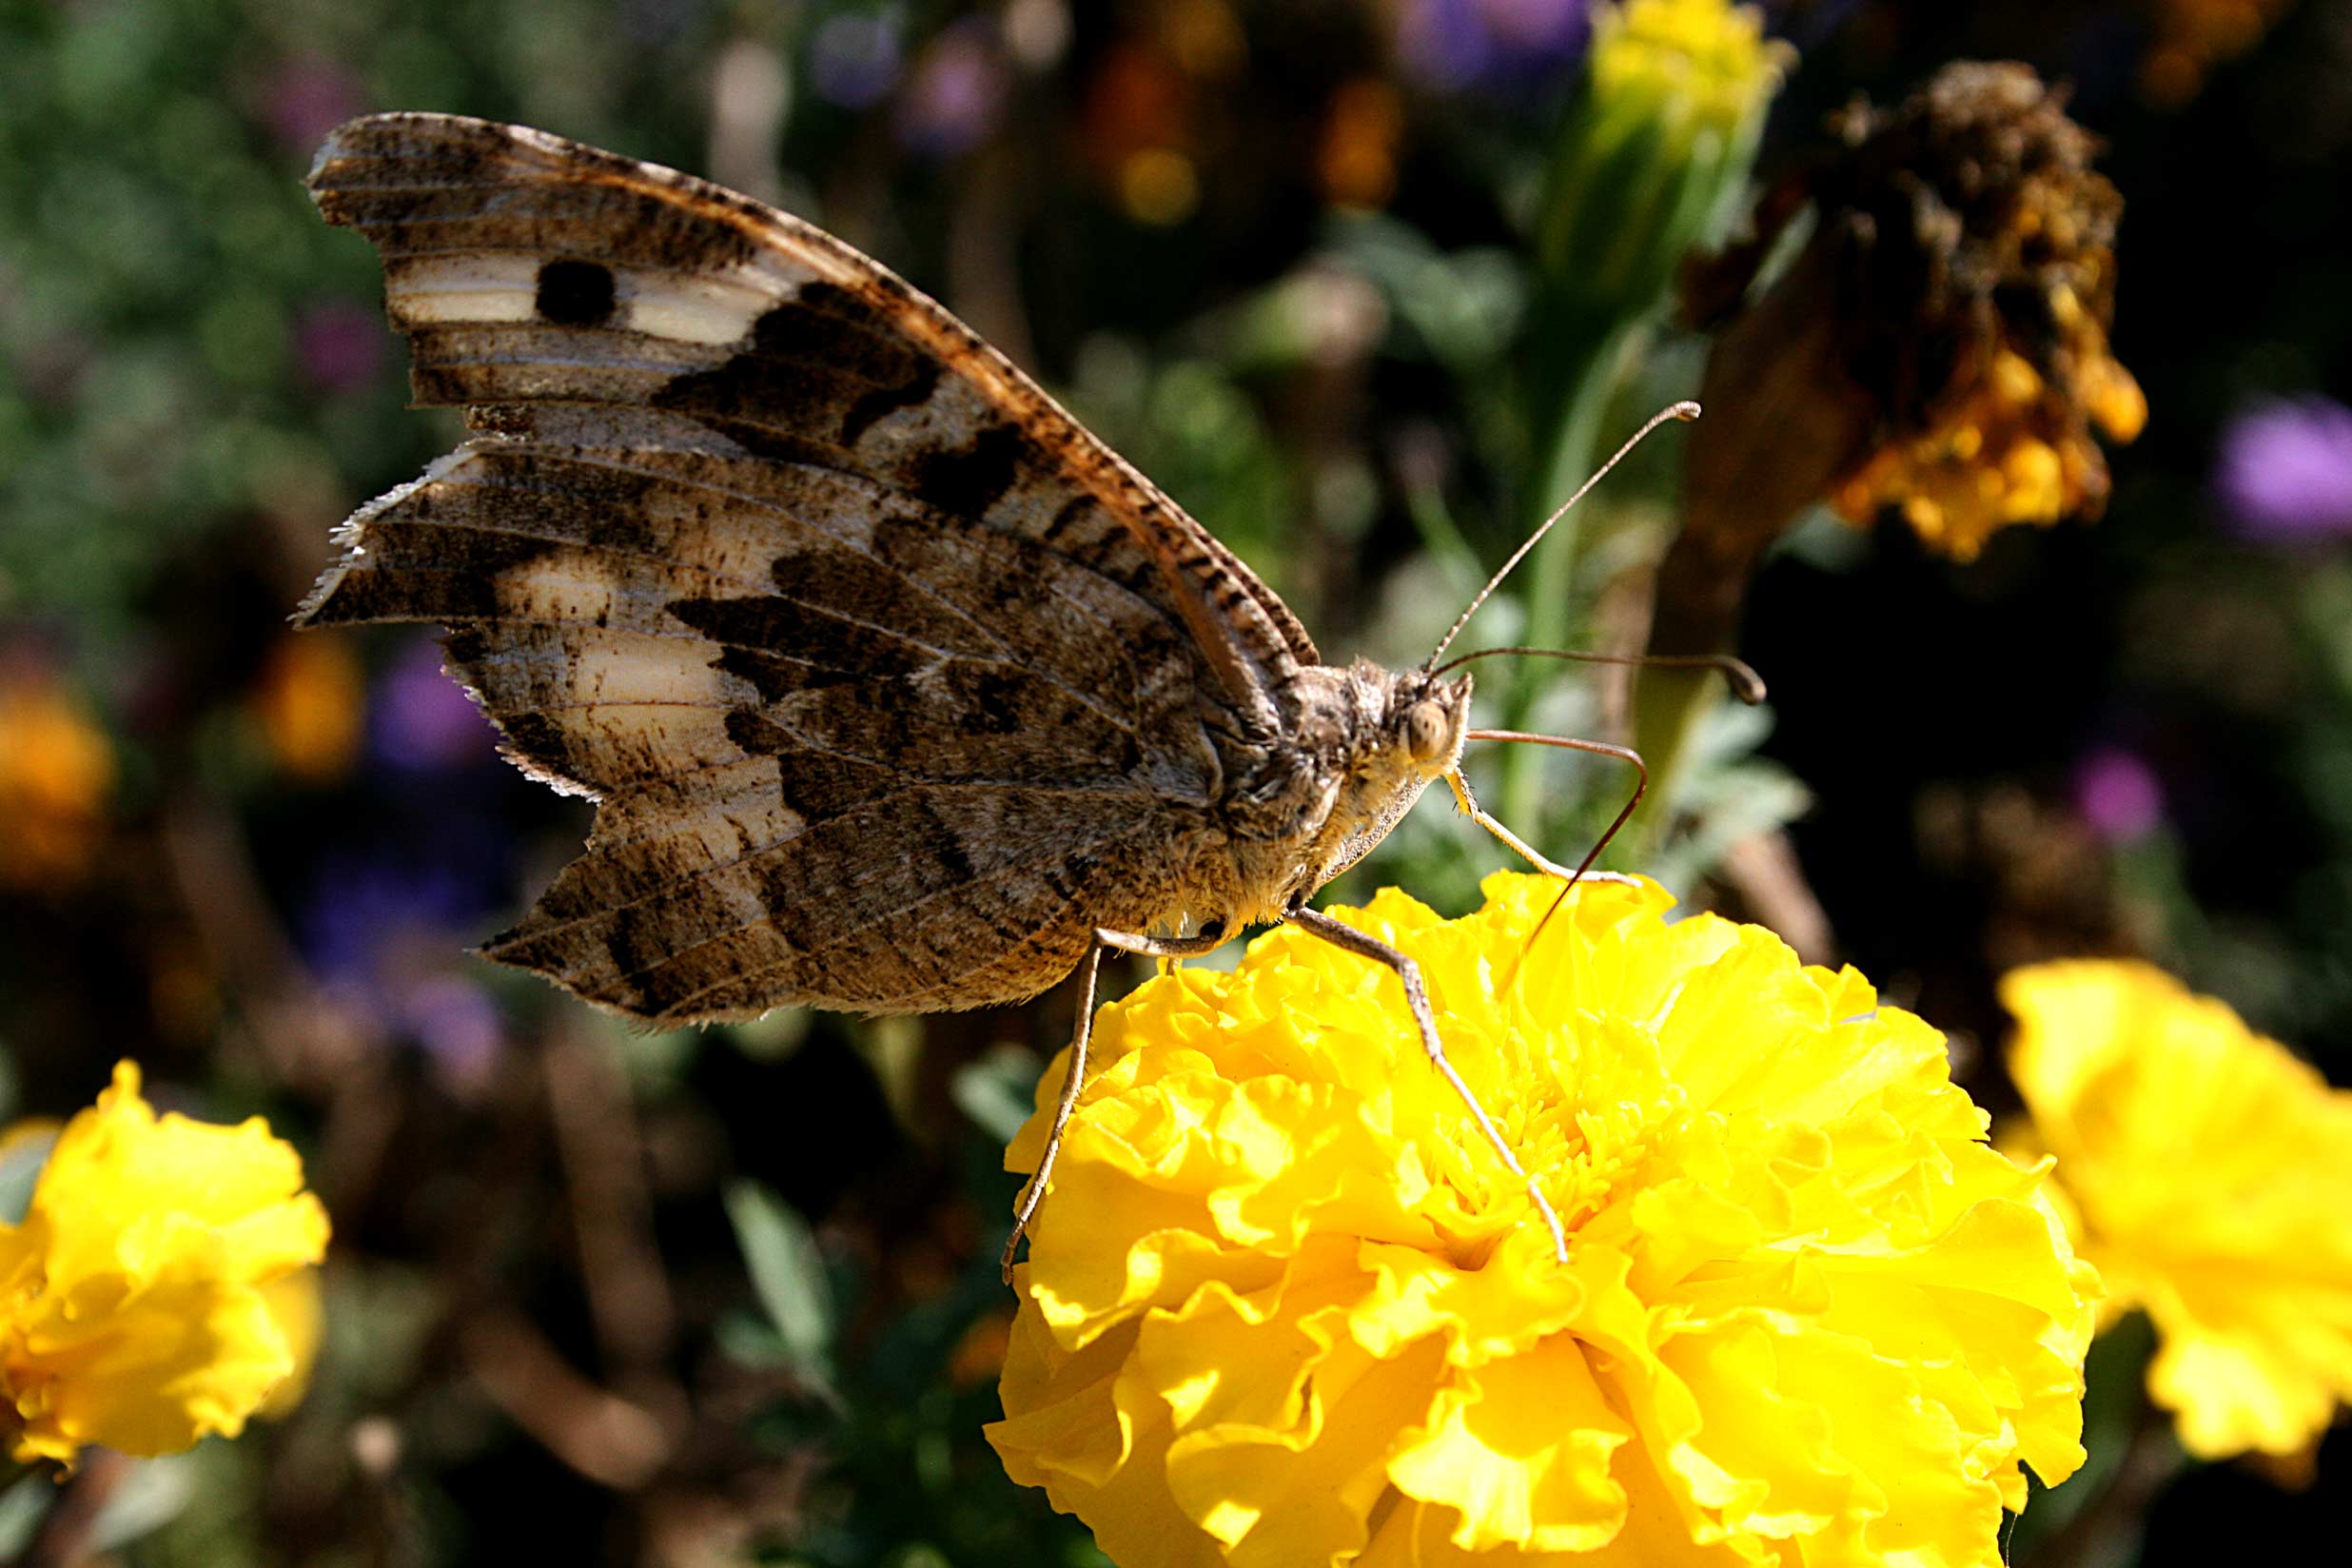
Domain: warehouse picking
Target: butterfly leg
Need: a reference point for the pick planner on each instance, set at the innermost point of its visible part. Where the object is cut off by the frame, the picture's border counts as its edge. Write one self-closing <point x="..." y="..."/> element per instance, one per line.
<point x="1479" y="814"/>
<point x="1417" y="998"/>
<point x="1074" y="1076"/>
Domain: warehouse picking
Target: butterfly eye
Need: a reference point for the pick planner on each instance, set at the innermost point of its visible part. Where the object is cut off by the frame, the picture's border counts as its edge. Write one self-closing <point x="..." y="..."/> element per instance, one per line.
<point x="1425" y="730"/>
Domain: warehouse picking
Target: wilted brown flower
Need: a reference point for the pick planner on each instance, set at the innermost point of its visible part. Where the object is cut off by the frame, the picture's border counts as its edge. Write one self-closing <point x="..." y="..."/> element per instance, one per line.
<point x="1986" y="221"/>
<point x="1950" y="313"/>
<point x="1939" y="346"/>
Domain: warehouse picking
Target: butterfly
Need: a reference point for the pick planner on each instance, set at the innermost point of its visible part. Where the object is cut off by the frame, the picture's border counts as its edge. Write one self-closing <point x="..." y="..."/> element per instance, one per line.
<point x="898" y="690"/>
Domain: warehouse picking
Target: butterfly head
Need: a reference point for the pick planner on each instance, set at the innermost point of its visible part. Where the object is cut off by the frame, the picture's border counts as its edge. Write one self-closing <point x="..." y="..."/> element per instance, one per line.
<point x="1428" y="720"/>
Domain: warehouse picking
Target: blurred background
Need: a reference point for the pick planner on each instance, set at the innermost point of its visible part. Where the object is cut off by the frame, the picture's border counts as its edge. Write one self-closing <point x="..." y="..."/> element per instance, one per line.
<point x="1366" y="284"/>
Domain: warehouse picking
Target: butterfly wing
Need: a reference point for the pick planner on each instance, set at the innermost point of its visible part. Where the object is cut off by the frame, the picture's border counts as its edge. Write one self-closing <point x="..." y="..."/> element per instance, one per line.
<point x="891" y="680"/>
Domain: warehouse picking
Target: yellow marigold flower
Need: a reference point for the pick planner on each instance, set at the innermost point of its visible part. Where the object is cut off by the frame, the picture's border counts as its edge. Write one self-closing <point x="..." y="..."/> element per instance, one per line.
<point x="1285" y="1306"/>
<point x="311" y="702"/>
<point x="56" y="772"/>
<point x="158" y="1288"/>
<point x="2211" y="1173"/>
<point x="2193" y="36"/>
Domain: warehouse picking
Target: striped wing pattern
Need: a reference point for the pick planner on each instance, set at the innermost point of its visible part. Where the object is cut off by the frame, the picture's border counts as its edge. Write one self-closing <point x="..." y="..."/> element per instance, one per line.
<point x="890" y="680"/>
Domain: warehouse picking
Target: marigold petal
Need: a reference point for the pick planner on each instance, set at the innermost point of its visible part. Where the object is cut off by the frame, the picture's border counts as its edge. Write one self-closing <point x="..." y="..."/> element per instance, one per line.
<point x="1806" y="1313"/>
<point x="2206" y="1170"/>
<point x="1524" y="1457"/>
<point x="159" y="1288"/>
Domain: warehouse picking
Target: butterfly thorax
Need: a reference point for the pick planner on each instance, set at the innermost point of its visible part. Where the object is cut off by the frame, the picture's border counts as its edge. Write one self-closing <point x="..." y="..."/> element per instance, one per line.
<point x="1359" y="746"/>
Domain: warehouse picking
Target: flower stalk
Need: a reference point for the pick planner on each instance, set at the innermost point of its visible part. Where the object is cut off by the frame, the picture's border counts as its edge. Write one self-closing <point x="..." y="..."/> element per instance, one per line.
<point x="1652" y="160"/>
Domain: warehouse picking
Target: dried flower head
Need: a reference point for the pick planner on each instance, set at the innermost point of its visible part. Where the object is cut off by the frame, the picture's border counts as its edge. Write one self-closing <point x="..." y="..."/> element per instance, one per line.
<point x="1286" y="1307"/>
<point x="1941" y="345"/>
<point x="158" y="1288"/>
<point x="2207" y="1171"/>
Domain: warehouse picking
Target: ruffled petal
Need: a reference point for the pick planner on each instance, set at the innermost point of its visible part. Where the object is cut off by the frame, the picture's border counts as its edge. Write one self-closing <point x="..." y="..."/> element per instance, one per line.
<point x="2205" y="1171"/>
<point x="159" y="1289"/>
<point x="1286" y="1305"/>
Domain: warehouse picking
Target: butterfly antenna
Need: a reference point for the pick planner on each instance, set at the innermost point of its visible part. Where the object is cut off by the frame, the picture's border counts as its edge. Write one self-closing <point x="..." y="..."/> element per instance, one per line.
<point x="1600" y="748"/>
<point x="1746" y="684"/>
<point x="1685" y="410"/>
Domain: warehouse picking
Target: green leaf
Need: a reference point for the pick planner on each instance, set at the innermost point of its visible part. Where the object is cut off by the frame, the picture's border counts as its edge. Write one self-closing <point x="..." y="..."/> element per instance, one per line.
<point x="20" y="1169"/>
<point x="788" y="1272"/>
<point x="996" y="1091"/>
<point x="23" y="1505"/>
<point x="152" y="1494"/>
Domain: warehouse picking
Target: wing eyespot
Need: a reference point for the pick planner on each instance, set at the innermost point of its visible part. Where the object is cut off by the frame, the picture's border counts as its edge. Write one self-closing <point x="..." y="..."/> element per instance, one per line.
<point x="574" y="293"/>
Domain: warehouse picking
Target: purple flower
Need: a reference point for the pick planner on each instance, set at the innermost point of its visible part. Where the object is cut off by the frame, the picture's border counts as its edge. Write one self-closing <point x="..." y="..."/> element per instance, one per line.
<point x="951" y="100"/>
<point x="854" y="60"/>
<point x="308" y="96"/>
<point x="422" y="720"/>
<point x="384" y="937"/>
<point x="1454" y="46"/>
<point x="2285" y="474"/>
<point x="456" y="1023"/>
<point x="339" y="346"/>
<point x="2118" y="794"/>
<point x="364" y="917"/>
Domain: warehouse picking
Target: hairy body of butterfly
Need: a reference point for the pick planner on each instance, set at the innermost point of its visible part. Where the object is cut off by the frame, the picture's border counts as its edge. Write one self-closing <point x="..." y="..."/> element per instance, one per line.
<point x="898" y="690"/>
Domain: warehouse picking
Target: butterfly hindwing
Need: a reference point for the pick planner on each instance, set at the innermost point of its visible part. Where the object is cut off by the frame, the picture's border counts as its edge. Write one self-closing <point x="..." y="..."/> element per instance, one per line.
<point x="874" y="660"/>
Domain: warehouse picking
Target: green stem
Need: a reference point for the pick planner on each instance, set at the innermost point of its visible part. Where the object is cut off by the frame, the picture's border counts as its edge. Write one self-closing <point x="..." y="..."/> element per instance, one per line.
<point x="1669" y="707"/>
<point x="1600" y="355"/>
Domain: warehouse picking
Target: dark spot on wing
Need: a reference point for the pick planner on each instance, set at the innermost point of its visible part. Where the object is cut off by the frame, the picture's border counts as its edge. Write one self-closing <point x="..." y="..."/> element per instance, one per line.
<point x="820" y="368"/>
<point x="1071" y="513"/>
<point x="778" y="625"/>
<point x="775" y="676"/>
<point x="780" y="408"/>
<point x="759" y="735"/>
<point x="965" y="482"/>
<point x="878" y="593"/>
<point x="572" y="293"/>
<point x="822" y="326"/>
<point x="429" y="571"/>
<point x="537" y="740"/>
<point x="821" y="786"/>
<point x="885" y="400"/>
<point x="998" y="695"/>
<point x="941" y="838"/>
<point x="547" y="496"/>
<point x="640" y="939"/>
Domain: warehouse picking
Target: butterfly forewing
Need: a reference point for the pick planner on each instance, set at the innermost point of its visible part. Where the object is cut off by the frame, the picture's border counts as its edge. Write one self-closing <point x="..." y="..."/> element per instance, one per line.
<point x="891" y="680"/>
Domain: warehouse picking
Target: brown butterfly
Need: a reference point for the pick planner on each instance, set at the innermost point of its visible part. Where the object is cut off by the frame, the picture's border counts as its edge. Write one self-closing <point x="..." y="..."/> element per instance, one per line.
<point x="898" y="690"/>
